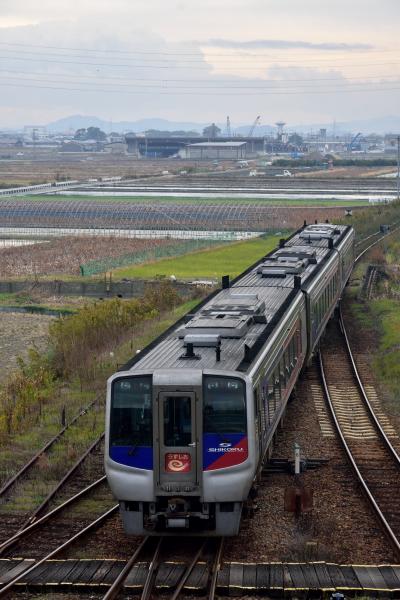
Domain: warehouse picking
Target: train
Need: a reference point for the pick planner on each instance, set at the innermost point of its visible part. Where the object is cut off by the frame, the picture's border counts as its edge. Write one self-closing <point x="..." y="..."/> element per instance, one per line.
<point x="191" y="419"/>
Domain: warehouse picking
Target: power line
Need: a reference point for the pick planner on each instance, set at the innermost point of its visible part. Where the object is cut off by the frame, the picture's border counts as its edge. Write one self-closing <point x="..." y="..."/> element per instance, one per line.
<point x="200" y="92"/>
<point x="149" y="66"/>
<point x="221" y="82"/>
<point x="248" y="53"/>
<point x="273" y="85"/>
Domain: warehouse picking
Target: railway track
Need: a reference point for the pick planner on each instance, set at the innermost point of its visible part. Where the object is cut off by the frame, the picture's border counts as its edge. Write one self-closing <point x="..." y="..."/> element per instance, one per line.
<point x="152" y="555"/>
<point x="7" y="485"/>
<point x="368" y="447"/>
<point x="84" y="471"/>
<point x="209" y="550"/>
<point x="60" y="547"/>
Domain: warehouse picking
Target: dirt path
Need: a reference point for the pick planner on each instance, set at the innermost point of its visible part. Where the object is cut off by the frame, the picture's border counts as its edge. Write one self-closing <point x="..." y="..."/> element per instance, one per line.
<point x="19" y="331"/>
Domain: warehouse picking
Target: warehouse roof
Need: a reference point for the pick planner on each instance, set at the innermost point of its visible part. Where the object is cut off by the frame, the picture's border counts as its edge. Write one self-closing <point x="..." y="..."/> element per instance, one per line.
<point x="218" y="144"/>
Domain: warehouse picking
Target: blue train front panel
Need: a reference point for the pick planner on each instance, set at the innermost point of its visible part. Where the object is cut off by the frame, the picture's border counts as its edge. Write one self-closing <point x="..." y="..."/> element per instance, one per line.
<point x="182" y="470"/>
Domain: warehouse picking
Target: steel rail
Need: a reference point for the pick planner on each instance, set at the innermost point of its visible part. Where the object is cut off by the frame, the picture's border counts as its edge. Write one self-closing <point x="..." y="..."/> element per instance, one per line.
<point x="371" y="411"/>
<point x="23" y="532"/>
<point x="148" y="584"/>
<point x="392" y="536"/>
<point x="114" y="590"/>
<point x="34" y="515"/>
<point x="370" y="283"/>
<point x="8" y="484"/>
<point x="188" y="571"/>
<point x="367" y="238"/>
<point x="215" y="569"/>
<point x="5" y="589"/>
<point x="375" y="243"/>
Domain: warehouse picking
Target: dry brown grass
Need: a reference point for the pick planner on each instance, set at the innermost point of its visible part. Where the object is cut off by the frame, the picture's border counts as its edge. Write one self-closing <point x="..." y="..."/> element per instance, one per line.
<point x="64" y="255"/>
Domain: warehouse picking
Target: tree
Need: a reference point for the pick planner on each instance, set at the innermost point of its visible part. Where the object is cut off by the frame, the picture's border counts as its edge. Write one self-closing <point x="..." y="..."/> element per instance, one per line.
<point x="80" y="134"/>
<point x="95" y="133"/>
<point x="212" y="131"/>
<point x="91" y="133"/>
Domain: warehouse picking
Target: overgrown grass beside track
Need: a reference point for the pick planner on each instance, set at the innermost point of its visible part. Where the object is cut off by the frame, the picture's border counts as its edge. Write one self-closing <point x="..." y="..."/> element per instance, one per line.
<point x="78" y="345"/>
<point x="41" y="421"/>
<point x="207" y="264"/>
<point x="379" y="317"/>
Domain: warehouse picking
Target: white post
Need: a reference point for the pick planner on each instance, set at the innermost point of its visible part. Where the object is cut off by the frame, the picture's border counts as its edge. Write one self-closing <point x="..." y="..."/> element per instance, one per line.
<point x="296" y="459"/>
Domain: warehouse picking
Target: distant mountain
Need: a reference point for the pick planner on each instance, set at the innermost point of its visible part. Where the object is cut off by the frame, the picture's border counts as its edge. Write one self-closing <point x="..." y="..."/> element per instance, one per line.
<point x="388" y="124"/>
<point x="75" y="122"/>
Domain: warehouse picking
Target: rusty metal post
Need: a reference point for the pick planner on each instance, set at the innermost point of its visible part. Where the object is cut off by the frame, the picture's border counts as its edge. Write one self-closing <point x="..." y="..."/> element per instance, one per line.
<point x="63" y="417"/>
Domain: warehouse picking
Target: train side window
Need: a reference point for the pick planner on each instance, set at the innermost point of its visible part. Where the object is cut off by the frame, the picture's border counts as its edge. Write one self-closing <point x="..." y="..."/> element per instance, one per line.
<point x="263" y="404"/>
<point x="255" y="403"/>
<point x="288" y="368"/>
<point x="293" y="351"/>
<point x="277" y="391"/>
<point x="270" y="396"/>
<point x="282" y="372"/>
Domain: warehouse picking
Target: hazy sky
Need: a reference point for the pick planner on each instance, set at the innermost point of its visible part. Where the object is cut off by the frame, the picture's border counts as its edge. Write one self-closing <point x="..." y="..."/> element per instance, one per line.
<point x="303" y="61"/>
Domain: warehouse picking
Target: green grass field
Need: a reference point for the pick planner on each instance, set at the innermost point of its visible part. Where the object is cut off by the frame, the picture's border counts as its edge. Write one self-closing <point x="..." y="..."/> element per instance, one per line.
<point x="206" y="264"/>
<point x="317" y="202"/>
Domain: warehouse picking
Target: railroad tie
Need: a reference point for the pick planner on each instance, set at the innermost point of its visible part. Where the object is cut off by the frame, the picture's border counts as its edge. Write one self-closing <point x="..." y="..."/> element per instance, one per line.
<point x="323" y="417"/>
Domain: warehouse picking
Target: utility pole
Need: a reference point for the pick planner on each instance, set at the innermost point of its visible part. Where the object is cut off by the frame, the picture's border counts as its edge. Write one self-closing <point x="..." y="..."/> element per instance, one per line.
<point x="398" y="168"/>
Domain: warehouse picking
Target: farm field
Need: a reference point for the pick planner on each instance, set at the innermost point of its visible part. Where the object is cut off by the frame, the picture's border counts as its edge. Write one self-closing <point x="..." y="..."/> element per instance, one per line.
<point x="207" y="264"/>
<point x="317" y="202"/>
<point x="63" y="256"/>
<point x="41" y="166"/>
<point x="64" y="212"/>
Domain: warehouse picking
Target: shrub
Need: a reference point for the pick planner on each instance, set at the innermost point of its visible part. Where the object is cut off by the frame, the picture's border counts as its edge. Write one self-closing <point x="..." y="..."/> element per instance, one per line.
<point x="76" y="343"/>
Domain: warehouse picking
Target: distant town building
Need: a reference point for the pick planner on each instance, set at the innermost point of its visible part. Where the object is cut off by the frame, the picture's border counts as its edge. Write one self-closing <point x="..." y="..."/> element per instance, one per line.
<point x="390" y="142"/>
<point x="35" y="133"/>
<point x="116" y="147"/>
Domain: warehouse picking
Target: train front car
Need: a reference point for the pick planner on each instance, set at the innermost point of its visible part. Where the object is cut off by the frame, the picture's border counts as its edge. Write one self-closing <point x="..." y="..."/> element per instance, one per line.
<point x="179" y="458"/>
<point x="192" y="417"/>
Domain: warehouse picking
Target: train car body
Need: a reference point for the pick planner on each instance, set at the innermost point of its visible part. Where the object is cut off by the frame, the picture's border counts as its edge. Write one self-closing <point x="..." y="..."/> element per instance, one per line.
<point x="191" y="419"/>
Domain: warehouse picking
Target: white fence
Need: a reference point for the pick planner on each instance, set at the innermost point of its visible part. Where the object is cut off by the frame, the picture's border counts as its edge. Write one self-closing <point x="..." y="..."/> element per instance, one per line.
<point x="36" y="232"/>
<point x="41" y="187"/>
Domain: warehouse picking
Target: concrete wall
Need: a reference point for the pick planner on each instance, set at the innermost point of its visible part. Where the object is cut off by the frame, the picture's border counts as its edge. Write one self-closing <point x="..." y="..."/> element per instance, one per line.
<point x="94" y="289"/>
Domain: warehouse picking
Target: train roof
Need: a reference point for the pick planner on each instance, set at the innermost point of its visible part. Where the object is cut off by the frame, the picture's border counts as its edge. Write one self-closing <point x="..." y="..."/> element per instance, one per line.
<point x="234" y="323"/>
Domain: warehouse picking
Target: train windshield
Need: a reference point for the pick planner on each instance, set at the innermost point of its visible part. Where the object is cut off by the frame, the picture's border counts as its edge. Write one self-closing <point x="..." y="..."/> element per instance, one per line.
<point x="131" y="421"/>
<point x="224" y="405"/>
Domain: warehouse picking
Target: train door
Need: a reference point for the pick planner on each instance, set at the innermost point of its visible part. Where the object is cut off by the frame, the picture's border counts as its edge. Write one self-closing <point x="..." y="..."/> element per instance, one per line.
<point x="178" y="452"/>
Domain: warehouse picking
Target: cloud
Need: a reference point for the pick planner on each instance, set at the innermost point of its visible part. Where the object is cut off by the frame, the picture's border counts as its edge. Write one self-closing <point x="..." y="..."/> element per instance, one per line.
<point x="283" y="44"/>
<point x="129" y="68"/>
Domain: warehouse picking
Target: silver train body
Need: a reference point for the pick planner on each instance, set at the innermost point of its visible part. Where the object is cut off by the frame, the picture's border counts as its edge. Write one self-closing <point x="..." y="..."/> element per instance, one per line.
<point x="191" y="419"/>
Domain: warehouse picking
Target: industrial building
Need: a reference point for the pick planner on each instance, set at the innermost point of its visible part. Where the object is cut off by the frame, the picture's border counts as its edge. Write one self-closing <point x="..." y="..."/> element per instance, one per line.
<point x="216" y="150"/>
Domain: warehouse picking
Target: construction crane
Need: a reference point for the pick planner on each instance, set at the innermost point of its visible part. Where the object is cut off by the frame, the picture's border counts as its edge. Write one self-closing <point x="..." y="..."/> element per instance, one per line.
<point x="252" y="128"/>
<point x="355" y="142"/>
<point x="228" y="127"/>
